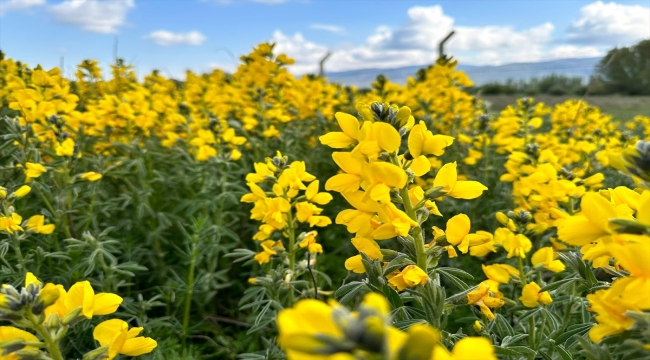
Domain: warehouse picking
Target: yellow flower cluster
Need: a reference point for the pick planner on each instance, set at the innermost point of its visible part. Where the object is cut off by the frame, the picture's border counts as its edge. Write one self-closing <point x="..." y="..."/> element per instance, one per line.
<point x="283" y="207"/>
<point x="313" y="330"/>
<point x="614" y="225"/>
<point x="377" y="175"/>
<point x="49" y="310"/>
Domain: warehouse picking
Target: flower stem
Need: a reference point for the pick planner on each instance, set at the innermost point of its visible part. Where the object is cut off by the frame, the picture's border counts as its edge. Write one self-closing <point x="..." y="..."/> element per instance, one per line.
<point x="420" y="251"/>
<point x="51" y="345"/>
<point x="292" y="251"/>
<point x="190" y="285"/>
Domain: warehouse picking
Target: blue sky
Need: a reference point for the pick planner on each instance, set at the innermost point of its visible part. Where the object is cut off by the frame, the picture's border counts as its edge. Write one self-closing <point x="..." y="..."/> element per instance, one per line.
<point x="174" y="35"/>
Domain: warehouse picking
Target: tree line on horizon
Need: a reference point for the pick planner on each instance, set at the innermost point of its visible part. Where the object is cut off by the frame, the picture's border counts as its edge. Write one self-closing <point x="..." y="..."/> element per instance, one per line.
<point x="622" y="71"/>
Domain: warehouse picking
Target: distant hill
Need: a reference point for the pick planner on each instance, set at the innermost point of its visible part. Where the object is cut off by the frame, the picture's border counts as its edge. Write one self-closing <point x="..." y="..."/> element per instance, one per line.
<point x="578" y="67"/>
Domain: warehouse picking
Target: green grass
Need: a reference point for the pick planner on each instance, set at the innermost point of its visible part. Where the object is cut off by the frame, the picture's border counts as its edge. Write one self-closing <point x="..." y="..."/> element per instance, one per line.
<point x="621" y="107"/>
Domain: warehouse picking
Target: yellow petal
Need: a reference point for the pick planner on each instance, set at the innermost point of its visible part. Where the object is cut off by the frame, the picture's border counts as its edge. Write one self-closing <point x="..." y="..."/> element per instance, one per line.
<point x="31" y="279"/>
<point x="467" y="190"/>
<point x="389" y="174"/>
<point x="446" y="176"/>
<point x="343" y="183"/>
<point x="106" y="331"/>
<point x="457" y="228"/>
<point x="420" y="165"/>
<point x="598" y="210"/>
<point x="138" y="346"/>
<point x="386" y="136"/>
<point x="336" y="140"/>
<point x="349" y="124"/>
<point x="81" y="295"/>
<point x="106" y="303"/>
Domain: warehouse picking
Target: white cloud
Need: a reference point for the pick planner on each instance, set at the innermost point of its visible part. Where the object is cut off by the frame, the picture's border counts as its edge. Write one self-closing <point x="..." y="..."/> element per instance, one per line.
<point x="167" y="38"/>
<point x="14" y="5"/>
<point x="415" y="42"/>
<point x="93" y="15"/>
<point x="611" y="24"/>
<point x="327" y="27"/>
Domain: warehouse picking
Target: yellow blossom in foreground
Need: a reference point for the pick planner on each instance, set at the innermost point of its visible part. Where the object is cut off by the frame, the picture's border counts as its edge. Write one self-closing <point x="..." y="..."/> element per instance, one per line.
<point x="518" y="245"/>
<point x="546" y="257"/>
<point x="32" y="170"/>
<point x="531" y="297"/>
<point x="482" y="298"/>
<point x="264" y="256"/>
<point x="66" y="148"/>
<point x="22" y="191"/>
<point x="81" y="295"/>
<point x="119" y="339"/>
<point x="409" y="277"/>
<point x="500" y="272"/>
<point x="91" y="176"/>
<point x="447" y="177"/>
<point x="366" y="246"/>
<point x="309" y="242"/>
<point x="469" y="348"/>
<point x="37" y="223"/>
<point x="11" y="224"/>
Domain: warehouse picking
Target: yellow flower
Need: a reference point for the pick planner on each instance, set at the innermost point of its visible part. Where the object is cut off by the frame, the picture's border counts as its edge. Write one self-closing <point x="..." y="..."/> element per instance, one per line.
<point x="119" y="339"/>
<point x="314" y="196"/>
<point x="591" y="224"/>
<point x="531" y="297"/>
<point x="350" y="126"/>
<point x="66" y="148"/>
<point x="11" y="224"/>
<point x="81" y="295"/>
<point x="482" y="298"/>
<point x="91" y="176"/>
<point x="421" y="141"/>
<point x="457" y="233"/>
<point x="478" y="327"/>
<point x="610" y="307"/>
<point x="32" y="170"/>
<point x="394" y="222"/>
<point x="271" y="132"/>
<point x="309" y="242"/>
<point x="264" y="256"/>
<point x="37" y="223"/>
<point x="408" y="277"/>
<point x="447" y="177"/>
<point x="500" y="272"/>
<point x="518" y="245"/>
<point x="469" y="348"/>
<point x="366" y="246"/>
<point x="22" y="191"/>
<point x="546" y="257"/>
<point x="307" y="329"/>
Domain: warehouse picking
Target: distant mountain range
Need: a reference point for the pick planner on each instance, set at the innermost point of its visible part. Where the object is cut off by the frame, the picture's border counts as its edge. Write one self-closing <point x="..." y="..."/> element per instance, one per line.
<point x="576" y="67"/>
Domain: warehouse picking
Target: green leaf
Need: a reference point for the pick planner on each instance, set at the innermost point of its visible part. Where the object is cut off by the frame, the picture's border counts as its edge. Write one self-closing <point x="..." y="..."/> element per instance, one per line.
<point x="397" y="263"/>
<point x="563" y="353"/>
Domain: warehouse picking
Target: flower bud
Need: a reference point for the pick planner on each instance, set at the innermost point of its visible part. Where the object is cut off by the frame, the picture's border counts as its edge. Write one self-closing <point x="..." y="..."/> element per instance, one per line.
<point x="502" y="218"/>
<point x="72" y="317"/>
<point x="22" y="191"/>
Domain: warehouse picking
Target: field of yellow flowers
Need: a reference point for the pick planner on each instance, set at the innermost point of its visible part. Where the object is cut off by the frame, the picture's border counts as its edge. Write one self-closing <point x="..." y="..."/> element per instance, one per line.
<point x="260" y="215"/>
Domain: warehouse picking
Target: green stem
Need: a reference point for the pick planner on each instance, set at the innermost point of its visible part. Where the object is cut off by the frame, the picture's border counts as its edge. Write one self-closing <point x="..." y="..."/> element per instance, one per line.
<point x="16" y="245"/>
<point x="190" y="286"/>
<point x="51" y="345"/>
<point x="292" y="251"/>
<point x="531" y="332"/>
<point x="420" y="251"/>
<point x="522" y="274"/>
